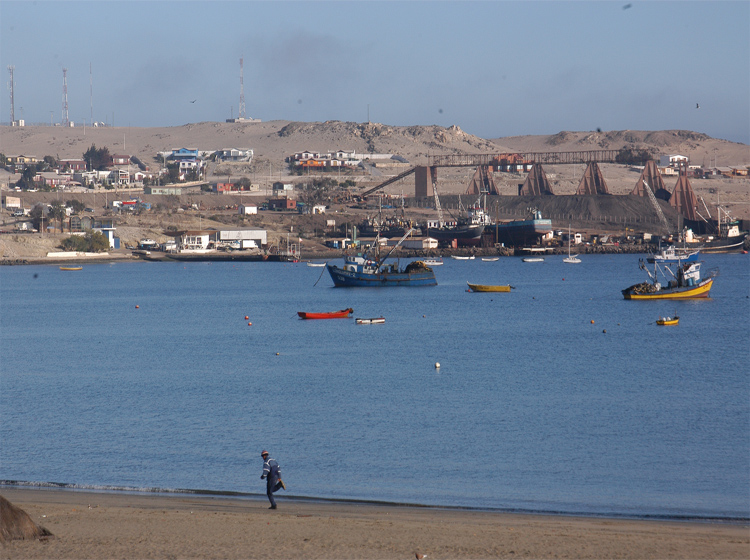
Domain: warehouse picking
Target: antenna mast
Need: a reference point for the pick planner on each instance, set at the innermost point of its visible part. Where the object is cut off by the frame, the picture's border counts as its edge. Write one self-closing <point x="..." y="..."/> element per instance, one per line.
<point x="91" y="94"/>
<point x="65" y="118"/>
<point x="242" y="92"/>
<point x="12" y="103"/>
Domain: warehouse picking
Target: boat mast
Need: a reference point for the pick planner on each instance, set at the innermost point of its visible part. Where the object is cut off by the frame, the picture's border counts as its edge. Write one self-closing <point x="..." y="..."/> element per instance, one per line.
<point x="437" y="204"/>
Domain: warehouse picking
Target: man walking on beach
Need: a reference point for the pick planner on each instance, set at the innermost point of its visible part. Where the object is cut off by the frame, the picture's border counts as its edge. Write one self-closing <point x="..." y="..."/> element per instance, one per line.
<point x="272" y="474"/>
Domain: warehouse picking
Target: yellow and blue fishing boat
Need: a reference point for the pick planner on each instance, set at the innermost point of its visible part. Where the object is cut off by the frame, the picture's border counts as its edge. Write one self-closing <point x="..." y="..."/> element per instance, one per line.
<point x="682" y="283"/>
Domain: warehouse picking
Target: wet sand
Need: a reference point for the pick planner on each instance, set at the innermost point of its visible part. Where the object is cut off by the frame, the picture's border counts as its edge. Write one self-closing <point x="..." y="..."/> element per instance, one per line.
<point x="111" y="525"/>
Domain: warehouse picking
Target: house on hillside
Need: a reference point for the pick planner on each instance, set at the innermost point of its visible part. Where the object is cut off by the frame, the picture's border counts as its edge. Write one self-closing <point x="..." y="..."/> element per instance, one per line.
<point x="234" y="154"/>
<point x="673" y="160"/>
<point x="72" y="164"/>
<point x="184" y="154"/>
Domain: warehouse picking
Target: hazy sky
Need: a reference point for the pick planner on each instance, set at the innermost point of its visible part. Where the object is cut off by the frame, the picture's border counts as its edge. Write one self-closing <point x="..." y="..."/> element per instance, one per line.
<point x="493" y="68"/>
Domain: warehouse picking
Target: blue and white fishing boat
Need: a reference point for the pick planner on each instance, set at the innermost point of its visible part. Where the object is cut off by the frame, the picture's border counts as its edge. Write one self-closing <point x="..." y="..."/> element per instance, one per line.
<point x="370" y="270"/>
<point x="673" y="255"/>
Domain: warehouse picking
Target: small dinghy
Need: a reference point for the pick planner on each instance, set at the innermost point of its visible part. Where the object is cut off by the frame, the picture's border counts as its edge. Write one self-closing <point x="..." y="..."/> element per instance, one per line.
<point x="371" y="321"/>
<point x="341" y="314"/>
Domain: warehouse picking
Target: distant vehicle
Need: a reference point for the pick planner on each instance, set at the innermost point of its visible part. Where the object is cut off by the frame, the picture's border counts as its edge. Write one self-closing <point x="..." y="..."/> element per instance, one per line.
<point x="18" y="213"/>
<point x="88" y="210"/>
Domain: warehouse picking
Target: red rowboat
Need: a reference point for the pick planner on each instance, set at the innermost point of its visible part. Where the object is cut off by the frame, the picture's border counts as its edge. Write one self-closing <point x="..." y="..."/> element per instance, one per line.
<point x="343" y="314"/>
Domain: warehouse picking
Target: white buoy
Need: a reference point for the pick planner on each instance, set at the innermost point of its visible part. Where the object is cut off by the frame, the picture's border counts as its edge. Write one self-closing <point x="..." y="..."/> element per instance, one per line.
<point x="437" y="365"/>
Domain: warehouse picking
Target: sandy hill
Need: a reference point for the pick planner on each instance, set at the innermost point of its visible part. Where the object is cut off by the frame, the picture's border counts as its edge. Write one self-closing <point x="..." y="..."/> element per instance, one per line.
<point x="272" y="141"/>
<point x="275" y="140"/>
<point x="700" y="148"/>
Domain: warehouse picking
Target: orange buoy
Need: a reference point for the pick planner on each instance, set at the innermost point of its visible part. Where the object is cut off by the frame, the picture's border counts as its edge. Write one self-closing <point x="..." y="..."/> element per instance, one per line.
<point x="137" y="306"/>
<point x="592" y="321"/>
<point x="249" y="324"/>
<point x="246" y="317"/>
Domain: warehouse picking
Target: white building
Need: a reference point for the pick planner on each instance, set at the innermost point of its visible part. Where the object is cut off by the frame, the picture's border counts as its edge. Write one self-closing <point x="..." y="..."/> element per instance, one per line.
<point x="247" y="209"/>
<point x="672" y="160"/>
<point x="234" y="154"/>
<point x="247" y="238"/>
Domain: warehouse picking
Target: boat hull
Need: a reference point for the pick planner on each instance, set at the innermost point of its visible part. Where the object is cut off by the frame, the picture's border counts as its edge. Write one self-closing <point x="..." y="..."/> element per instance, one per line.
<point x="700" y="290"/>
<point x="487" y="288"/>
<point x="349" y="278"/>
<point x="668" y="322"/>
<point x="342" y="314"/>
<point x="373" y="321"/>
<point x="520" y="232"/>
<point x="71" y="268"/>
<point x="464" y="235"/>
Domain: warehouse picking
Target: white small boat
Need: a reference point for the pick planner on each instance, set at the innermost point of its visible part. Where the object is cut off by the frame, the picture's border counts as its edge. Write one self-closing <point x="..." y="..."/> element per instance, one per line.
<point x="433" y="262"/>
<point x="371" y="321"/>
<point x="571" y="259"/>
<point x="533" y="259"/>
<point x="459" y="258"/>
<point x="490" y="259"/>
<point x="316" y="264"/>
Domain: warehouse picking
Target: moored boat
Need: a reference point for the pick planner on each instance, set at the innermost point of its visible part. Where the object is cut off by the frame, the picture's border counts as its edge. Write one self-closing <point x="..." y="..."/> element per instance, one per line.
<point x="571" y="259"/>
<point x="668" y="321"/>
<point x="490" y="259"/>
<point x="316" y="264"/>
<point x="370" y="321"/>
<point x="433" y="262"/>
<point x="533" y="259"/>
<point x="341" y="314"/>
<point x="466" y="231"/>
<point x="369" y="270"/>
<point x="489" y="288"/>
<point x="461" y="258"/>
<point x="673" y="255"/>
<point x="518" y="233"/>
<point x="71" y="268"/>
<point x="682" y="283"/>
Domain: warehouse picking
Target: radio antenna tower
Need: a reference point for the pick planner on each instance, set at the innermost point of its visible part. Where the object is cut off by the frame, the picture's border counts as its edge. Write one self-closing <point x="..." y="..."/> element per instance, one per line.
<point x="91" y="94"/>
<point x="65" y="118"/>
<point x="242" y="92"/>
<point x="12" y="103"/>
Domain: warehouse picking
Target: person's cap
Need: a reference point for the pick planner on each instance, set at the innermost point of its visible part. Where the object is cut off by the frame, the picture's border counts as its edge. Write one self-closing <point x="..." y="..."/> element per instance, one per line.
<point x="264" y="452"/>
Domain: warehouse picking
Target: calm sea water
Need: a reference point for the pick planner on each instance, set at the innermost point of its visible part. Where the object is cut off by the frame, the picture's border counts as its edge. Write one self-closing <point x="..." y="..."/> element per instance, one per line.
<point x="534" y="408"/>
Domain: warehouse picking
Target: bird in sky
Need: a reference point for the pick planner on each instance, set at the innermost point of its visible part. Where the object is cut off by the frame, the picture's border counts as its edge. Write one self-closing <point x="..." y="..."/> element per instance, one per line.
<point x="193" y="101"/>
<point x="627" y="6"/>
<point x="697" y="106"/>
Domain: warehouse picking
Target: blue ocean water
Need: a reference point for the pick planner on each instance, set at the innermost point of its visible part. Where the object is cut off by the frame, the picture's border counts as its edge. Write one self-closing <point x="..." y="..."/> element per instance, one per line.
<point x="558" y="397"/>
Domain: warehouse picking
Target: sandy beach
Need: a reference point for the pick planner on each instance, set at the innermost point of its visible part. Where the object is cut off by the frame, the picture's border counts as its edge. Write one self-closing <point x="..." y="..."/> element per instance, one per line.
<point x="101" y="525"/>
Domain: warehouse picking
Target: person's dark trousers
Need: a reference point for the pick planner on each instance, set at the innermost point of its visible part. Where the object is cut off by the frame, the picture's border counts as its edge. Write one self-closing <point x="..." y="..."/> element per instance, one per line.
<point x="272" y="485"/>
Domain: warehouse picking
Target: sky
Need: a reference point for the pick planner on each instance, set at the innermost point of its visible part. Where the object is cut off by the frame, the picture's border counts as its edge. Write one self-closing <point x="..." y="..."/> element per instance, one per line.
<point x="493" y="68"/>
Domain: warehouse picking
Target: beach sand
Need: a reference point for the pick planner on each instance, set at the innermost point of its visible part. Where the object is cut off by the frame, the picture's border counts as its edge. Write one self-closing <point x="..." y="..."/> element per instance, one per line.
<point x="106" y="525"/>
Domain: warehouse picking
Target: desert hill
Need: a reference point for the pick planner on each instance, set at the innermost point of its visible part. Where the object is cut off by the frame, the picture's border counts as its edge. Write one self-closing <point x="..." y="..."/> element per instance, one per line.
<point x="700" y="148"/>
<point x="273" y="141"/>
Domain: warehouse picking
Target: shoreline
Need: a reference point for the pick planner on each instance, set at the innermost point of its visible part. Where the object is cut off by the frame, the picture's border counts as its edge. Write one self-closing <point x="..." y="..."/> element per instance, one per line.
<point x="259" y="496"/>
<point x="89" y="524"/>
<point x="507" y="252"/>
